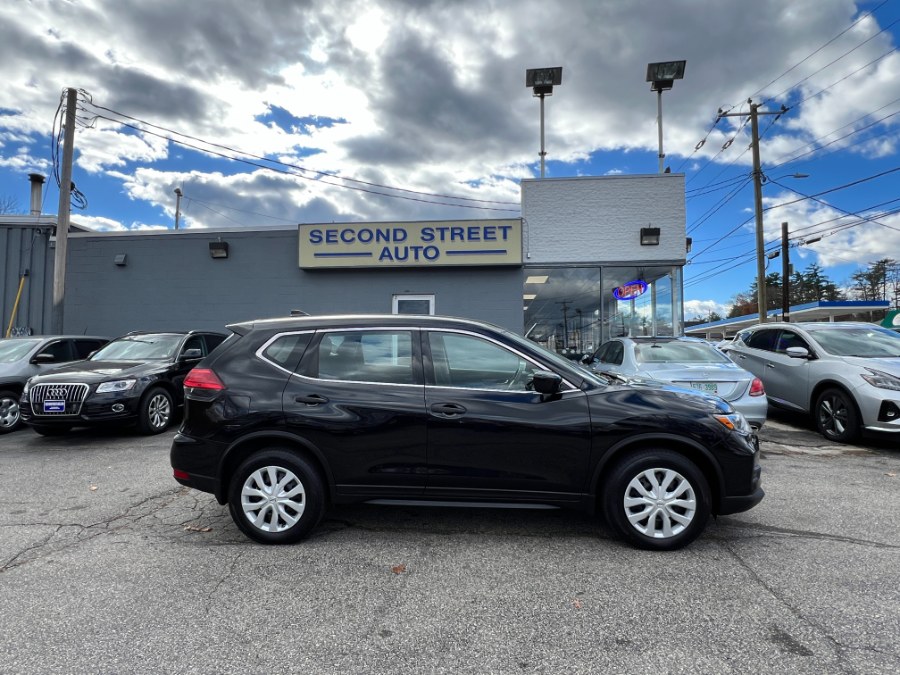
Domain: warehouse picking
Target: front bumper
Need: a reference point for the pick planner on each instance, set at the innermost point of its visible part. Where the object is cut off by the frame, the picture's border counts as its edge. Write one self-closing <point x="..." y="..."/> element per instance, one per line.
<point x="880" y="409"/>
<point x="111" y="407"/>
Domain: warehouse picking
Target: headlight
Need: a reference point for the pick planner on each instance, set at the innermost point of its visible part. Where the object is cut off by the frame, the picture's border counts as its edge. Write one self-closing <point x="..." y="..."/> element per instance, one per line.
<point x="881" y="380"/>
<point x="115" y="385"/>
<point x="27" y="387"/>
<point x="735" y="421"/>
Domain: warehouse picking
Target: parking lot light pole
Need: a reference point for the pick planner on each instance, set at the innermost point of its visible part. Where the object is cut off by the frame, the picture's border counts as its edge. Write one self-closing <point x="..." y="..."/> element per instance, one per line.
<point x="662" y="77"/>
<point x="542" y="81"/>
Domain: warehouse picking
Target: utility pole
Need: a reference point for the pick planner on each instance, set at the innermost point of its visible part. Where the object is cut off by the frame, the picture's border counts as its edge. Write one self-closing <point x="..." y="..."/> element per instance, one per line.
<point x="757" y="193"/>
<point x="62" y="218"/>
<point x="178" y="195"/>
<point x="785" y="275"/>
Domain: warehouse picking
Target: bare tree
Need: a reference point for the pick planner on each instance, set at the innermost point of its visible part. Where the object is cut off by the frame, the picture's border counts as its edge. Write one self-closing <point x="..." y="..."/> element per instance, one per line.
<point x="8" y="205"/>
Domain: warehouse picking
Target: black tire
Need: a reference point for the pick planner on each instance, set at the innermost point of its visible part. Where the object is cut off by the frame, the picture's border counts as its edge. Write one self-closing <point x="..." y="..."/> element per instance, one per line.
<point x="156" y="412"/>
<point x="649" y="532"/>
<point x="275" y="526"/>
<point x="9" y="411"/>
<point x="836" y="417"/>
<point x="54" y="430"/>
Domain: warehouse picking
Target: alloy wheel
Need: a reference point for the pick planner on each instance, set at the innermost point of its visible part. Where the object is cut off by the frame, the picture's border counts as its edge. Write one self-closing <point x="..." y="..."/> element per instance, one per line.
<point x="159" y="410"/>
<point x="9" y="413"/>
<point x="660" y="503"/>
<point x="273" y="499"/>
<point x="834" y="415"/>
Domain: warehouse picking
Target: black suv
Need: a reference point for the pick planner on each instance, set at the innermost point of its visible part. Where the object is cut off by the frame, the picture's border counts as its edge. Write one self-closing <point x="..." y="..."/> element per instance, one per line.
<point x="133" y="379"/>
<point x="292" y="414"/>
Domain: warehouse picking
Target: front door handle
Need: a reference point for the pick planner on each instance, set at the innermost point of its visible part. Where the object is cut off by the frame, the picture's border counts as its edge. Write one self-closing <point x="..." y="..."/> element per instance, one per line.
<point x="311" y="399"/>
<point x="770" y="365"/>
<point x="448" y="409"/>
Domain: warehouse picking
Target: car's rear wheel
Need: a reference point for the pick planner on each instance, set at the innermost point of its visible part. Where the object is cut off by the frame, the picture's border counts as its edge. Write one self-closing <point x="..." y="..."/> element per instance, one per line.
<point x="54" y="430"/>
<point x="836" y="417"/>
<point x="156" y="411"/>
<point x="276" y="497"/>
<point x="657" y="500"/>
<point x="9" y="412"/>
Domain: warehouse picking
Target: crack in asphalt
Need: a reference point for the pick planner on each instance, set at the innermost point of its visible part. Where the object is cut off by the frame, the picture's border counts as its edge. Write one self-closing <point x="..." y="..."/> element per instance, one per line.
<point x="839" y="650"/>
<point x="227" y="574"/>
<point x="806" y="534"/>
<point x="106" y="526"/>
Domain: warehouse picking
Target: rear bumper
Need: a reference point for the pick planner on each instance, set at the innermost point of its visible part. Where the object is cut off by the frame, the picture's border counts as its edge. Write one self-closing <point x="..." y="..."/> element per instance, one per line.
<point x="195" y="464"/>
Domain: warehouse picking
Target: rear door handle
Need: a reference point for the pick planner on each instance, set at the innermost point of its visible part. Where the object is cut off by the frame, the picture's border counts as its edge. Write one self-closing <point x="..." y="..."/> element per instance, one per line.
<point x="448" y="409"/>
<point x="770" y="365"/>
<point x="311" y="399"/>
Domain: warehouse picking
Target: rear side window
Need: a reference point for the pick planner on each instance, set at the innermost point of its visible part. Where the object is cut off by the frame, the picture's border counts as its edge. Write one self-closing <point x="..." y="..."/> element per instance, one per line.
<point x="286" y="350"/>
<point x="83" y="348"/>
<point x="763" y="339"/>
<point x="367" y="356"/>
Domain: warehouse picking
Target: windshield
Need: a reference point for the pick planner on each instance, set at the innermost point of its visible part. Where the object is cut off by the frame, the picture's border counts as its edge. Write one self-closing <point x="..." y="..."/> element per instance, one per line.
<point x="13" y="350"/>
<point x="861" y="341"/>
<point x="139" y="348"/>
<point x="678" y="352"/>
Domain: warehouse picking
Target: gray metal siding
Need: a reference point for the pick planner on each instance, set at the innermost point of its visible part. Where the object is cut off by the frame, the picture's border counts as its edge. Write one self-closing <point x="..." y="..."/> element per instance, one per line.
<point x="24" y="247"/>
<point x="171" y="282"/>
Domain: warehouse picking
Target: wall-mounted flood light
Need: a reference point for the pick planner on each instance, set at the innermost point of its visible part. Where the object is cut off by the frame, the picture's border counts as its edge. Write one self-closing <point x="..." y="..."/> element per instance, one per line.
<point x="121" y="260"/>
<point x="649" y="236"/>
<point x="218" y="249"/>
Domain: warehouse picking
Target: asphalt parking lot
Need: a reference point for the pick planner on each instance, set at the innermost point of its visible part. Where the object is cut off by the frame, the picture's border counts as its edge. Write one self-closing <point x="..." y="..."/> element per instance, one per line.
<point x="108" y="566"/>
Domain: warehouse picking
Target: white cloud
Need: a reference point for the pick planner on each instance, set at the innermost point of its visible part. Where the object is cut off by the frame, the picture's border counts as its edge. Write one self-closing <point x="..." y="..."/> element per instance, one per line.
<point x="703" y="308"/>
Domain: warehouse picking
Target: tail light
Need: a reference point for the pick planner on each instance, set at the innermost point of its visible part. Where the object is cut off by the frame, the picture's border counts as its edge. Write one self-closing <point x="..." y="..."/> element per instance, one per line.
<point x="203" y="378"/>
<point x="757" y="389"/>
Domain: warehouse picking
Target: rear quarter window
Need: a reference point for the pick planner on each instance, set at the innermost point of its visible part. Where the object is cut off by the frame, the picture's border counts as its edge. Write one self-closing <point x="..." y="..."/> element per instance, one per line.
<point x="287" y="350"/>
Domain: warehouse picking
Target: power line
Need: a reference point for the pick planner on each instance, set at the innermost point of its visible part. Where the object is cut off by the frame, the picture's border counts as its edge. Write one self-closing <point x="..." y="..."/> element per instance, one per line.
<point x="278" y="162"/>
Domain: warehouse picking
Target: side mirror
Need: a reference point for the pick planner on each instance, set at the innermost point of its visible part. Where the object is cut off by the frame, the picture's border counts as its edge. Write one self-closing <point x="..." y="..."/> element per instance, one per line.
<point x="586" y="359"/>
<point x="43" y="358"/>
<point x="797" y="352"/>
<point x="191" y="354"/>
<point x="546" y="382"/>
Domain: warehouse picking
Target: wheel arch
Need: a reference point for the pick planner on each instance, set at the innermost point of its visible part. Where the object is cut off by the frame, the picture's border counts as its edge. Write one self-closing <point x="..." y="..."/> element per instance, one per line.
<point x="252" y="443"/>
<point x="686" y="447"/>
<point x="831" y="384"/>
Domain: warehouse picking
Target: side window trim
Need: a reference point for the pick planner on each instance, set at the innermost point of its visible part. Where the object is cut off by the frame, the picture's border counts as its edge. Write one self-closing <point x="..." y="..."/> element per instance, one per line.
<point x="260" y="353"/>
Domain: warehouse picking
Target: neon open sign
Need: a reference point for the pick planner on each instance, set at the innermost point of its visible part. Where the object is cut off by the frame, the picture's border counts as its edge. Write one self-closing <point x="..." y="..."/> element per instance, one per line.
<point x="630" y="291"/>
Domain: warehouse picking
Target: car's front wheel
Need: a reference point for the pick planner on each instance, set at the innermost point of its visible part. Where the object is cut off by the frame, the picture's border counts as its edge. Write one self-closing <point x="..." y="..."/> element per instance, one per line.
<point x="156" y="411"/>
<point x="836" y="417"/>
<point x="276" y="497"/>
<point x="9" y="412"/>
<point x="657" y="500"/>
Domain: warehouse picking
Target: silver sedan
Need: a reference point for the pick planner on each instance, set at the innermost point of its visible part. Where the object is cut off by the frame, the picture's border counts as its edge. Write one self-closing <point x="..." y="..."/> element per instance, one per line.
<point x="686" y="362"/>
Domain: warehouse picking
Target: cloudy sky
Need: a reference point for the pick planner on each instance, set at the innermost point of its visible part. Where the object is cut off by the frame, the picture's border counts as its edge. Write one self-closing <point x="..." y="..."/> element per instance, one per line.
<point x="285" y="111"/>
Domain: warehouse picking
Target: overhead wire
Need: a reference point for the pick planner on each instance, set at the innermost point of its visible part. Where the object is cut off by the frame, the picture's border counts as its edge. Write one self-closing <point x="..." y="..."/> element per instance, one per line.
<point x="296" y="167"/>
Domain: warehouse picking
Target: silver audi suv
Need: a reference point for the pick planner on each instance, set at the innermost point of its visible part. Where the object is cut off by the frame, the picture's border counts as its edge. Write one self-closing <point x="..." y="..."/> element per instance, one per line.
<point x="846" y="374"/>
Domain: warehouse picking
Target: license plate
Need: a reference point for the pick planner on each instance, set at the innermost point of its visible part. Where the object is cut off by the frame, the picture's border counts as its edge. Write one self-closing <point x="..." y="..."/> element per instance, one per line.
<point x="54" y="406"/>
<point x="708" y="387"/>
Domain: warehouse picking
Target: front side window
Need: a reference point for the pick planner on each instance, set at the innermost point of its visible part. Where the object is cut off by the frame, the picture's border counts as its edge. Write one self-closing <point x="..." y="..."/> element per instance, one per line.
<point x="475" y="363"/>
<point x="58" y="350"/>
<point x="790" y="339"/>
<point x="383" y="356"/>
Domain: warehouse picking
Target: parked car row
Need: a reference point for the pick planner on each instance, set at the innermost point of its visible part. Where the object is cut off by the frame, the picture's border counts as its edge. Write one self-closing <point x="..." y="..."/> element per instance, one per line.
<point x="57" y="382"/>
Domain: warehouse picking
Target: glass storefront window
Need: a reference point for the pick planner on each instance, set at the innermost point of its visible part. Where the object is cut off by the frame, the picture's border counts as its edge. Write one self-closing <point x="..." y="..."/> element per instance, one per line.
<point x="573" y="310"/>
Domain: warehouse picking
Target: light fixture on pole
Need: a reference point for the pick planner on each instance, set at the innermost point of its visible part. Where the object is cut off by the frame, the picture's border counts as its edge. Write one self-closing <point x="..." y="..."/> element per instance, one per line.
<point x="542" y="81"/>
<point x="662" y="76"/>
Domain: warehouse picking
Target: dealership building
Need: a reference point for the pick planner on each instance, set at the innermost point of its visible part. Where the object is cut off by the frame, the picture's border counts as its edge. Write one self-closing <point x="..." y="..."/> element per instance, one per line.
<point x="589" y="258"/>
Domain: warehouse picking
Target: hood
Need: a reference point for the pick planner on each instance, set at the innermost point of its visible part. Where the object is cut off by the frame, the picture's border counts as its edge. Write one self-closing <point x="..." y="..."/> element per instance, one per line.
<point x="672" y="395"/>
<point x="888" y="364"/>
<point x="90" y="372"/>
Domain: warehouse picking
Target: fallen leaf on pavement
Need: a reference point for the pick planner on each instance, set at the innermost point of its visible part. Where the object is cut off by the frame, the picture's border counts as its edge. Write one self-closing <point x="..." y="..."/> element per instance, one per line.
<point x="576" y="603"/>
<point x="93" y="488"/>
<point x="197" y="528"/>
<point x="398" y="569"/>
<point x="891" y="474"/>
